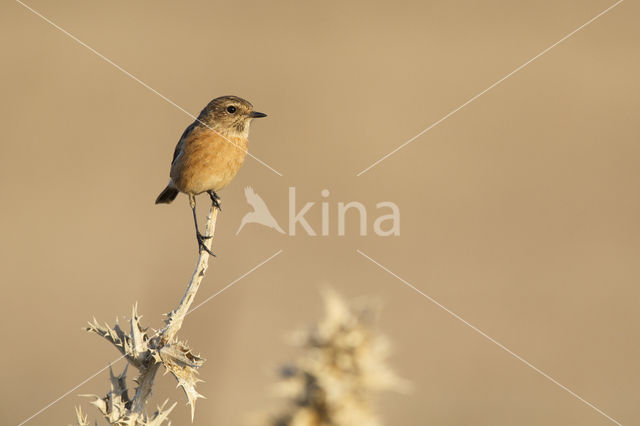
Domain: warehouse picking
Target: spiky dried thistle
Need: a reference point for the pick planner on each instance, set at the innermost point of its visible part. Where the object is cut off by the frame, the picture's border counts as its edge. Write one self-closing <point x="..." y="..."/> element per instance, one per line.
<point x="147" y="352"/>
<point x="343" y="364"/>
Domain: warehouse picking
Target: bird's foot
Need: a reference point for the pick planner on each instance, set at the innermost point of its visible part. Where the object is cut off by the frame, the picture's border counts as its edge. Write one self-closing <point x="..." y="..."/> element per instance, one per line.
<point x="201" y="246"/>
<point x="215" y="199"/>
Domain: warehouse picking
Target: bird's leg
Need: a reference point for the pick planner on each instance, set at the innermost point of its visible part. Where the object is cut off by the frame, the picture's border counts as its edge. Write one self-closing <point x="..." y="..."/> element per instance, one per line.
<point x="215" y="199"/>
<point x="199" y="236"/>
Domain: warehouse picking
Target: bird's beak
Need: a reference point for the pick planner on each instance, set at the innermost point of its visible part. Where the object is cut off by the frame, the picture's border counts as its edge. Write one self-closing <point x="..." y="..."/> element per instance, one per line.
<point x="256" y="114"/>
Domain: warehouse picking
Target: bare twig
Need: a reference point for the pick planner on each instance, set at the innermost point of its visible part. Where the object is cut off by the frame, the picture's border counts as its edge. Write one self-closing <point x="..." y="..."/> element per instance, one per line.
<point x="176" y="317"/>
<point x="148" y="352"/>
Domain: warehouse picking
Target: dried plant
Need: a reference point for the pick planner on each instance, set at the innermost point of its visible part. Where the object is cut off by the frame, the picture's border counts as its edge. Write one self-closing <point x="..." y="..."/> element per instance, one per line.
<point x="147" y="352"/>
<point x="81" y="417"/>
<point x="342" y="366"/>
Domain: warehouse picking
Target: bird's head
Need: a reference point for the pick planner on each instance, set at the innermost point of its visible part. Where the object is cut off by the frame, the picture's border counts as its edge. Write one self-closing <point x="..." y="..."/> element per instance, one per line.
<point x="229" y="115"/>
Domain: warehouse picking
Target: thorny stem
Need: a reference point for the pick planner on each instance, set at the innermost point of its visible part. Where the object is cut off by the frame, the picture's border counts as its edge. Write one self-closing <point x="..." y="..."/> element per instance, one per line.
<point x="176" y="317"/>
<point x="147" y="353"/>
<point x="143" y="392"/>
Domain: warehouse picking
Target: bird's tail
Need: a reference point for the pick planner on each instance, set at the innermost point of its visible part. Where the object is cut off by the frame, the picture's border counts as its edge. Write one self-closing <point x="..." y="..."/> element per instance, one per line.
<point x="168" y="195"/>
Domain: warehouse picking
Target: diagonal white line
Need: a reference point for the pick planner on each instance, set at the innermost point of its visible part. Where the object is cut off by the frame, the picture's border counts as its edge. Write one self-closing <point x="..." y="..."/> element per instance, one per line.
<point x="61" y="397"/>
<point x="235" y="281"/>
<point x="488" y="88"/>
<point x="128" y="74"/>
<point x="491" y="339"/>
<point x="51" y="404"/>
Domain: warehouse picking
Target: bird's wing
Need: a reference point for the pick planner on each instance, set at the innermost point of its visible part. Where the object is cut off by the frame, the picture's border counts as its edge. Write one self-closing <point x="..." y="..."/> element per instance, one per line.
<point x="180" y="144"/>
<point x="254" y="199"/>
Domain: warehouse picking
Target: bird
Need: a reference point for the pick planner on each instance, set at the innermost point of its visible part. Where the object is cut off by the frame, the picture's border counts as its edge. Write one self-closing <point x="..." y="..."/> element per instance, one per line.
<point x="209" y="154"/>
<point x="260" y="213"/>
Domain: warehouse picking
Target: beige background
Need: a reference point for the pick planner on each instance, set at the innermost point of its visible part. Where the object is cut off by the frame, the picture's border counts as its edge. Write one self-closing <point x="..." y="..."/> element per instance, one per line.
<point x="520" y="212"/>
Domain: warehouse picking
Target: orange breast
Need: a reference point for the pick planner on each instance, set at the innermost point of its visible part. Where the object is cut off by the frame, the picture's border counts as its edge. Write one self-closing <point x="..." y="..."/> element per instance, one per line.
<point x="208" y="161"/>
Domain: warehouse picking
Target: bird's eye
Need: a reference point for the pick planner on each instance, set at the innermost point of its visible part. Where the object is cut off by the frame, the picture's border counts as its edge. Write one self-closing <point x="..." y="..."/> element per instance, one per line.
<point x="231" y="109"/>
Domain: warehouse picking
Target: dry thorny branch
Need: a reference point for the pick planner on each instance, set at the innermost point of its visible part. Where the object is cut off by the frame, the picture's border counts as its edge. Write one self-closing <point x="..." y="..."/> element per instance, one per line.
<point x="342" y="365"/>
<point x="147" y="352"/>
<point x="331" y="384"/>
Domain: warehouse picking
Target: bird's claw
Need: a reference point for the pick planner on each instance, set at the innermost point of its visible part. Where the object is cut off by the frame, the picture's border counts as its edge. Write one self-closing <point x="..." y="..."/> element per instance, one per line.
<point x="215" y="200"/>
<point x="201" y="246"/>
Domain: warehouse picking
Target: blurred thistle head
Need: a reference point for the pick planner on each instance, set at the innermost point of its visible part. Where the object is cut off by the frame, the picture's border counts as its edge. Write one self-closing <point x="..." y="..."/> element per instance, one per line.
<point x="344" y="362"/>
<point x="229" y="114"/>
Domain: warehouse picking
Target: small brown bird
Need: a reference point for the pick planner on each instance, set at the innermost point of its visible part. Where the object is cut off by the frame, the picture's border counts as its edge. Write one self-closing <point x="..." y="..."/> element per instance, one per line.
<point x="210" y="153"/>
